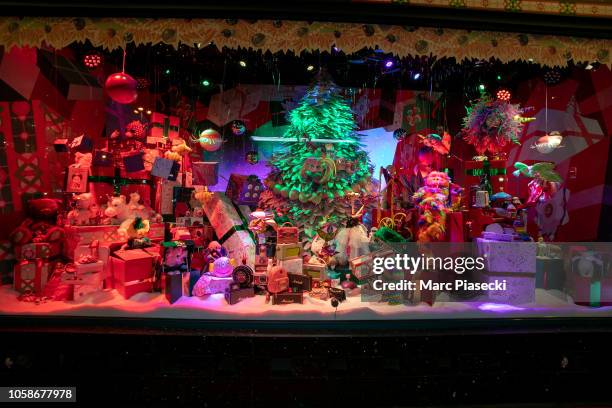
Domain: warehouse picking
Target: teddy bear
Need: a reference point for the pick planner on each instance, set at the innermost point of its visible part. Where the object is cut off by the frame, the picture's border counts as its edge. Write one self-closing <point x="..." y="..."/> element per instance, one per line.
<point x="117" y="210"/>
<point x="86" y="210"/>
<point x="431" y="201"/>
<point x="40" y="226"/>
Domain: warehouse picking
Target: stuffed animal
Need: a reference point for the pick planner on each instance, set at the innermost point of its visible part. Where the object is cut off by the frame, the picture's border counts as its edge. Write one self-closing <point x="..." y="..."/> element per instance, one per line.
<point x="117" y="210"/>
<point x="82" y="160"/>
<point x="175" y="258"/>
<point x="431" y="201"/>
<point x="86" y="210"/>
<point x="136" y="231"/>
<point x="40" y="226"/>
<point x="178" y="150"/>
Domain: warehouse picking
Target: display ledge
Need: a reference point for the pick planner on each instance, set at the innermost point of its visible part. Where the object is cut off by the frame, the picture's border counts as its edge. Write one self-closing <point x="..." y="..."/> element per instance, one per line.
<point x="108" y="312"/>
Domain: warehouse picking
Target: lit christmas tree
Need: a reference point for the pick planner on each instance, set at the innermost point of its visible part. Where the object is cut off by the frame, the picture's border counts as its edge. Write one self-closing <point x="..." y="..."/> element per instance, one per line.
<point x="323" y="165"/>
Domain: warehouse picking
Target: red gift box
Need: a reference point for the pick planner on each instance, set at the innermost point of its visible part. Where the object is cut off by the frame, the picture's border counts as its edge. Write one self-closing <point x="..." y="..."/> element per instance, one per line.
<point x="36" y="250"/>
<point x="132" y="271"/>
<point x="163" y="126"/>
<point x="205" y="173"/>
<point x="31" y="276"/>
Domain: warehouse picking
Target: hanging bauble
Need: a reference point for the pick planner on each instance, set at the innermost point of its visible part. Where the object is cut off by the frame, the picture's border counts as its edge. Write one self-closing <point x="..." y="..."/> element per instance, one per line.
<point x="238" y="128"/>
<point x="399" y="133"/>
<point x="252" y="157"/>
<point x="121" y="88"/>
<point x="135" y="129"/>
<point x="210" y="140"/>
<point x="549" y="142"/>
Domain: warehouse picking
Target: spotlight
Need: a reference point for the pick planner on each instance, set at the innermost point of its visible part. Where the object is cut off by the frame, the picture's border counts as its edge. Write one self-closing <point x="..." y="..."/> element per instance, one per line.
<point x="310" y="68"/>
<point x="504" y="95"/>
<point x="416" y="76"/>
<point x="149" y="112"/>
<point x="136" y="111"/>
<point x="388" y="63"/>
<point x="205" y="82"/>
<point x="140" y="108"/>
<point x="242" y="63"/>
<point x="92" y="60"/>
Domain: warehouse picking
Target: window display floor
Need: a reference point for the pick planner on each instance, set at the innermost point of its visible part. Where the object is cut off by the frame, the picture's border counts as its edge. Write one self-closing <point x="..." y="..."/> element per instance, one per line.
<point x="154" y="305"/>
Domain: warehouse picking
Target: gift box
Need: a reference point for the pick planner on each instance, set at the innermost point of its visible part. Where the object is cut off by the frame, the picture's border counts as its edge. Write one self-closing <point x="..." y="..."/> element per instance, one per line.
<point x="234" y="295"/>
<point x="550" y="273"/>
<point x="165" y="168"/>
<point x="60" y="145"/>
<point x="163" y="126"/>
<point x="83" y="144"/>
<point x="287" y="234"/>
<point x="176" y="285"/>
<point x="77" y="236"/>
<point x="205" y="173"/>
<point x="512" y="262"/>
<point x="132" y="271"/>
<point x="592" y="278"/>
<point x="102" y="158"/>
<point x="286" y="298"/>
<point x="133" y="161"/>
<point x="301" y="282"/>
<point x="244" y="190"/>
<point x="36" y="250"/>
<point x="288" y="251"/>
<point x="230" y="228"/>
<point x="31" y="276"/>
<point x="209" y="284"/>
<point x="315" y="271"/>
<point x="80" y="291"/>
<point x="293" y="265"/>
<point x="73" y="82"/>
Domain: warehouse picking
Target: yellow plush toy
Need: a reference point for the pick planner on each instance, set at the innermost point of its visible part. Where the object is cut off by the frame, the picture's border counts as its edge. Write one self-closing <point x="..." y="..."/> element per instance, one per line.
<point x="178" y="150"/>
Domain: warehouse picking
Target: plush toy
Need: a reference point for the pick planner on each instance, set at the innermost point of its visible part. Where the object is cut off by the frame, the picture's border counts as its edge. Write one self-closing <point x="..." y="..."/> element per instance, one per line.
<point x="117" y="210"/>
<point x="176" y="258"/>
<point x="40" y="224"/>
<point x="178" y="150"/>
<point x="136" y="231"/>
<point x="86" y="210"/>
<point x="82" y="160"/>
<point x="431" y="201"/>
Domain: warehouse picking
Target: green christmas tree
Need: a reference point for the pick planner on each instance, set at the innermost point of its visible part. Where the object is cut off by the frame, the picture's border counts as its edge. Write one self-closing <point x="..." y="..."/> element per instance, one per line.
<point x="323" y="165"/>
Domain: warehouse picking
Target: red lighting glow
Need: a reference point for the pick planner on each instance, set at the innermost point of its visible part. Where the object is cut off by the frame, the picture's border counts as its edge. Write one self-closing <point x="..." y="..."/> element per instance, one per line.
<point x="504" y="95"/>
<point x="92" y="60"/>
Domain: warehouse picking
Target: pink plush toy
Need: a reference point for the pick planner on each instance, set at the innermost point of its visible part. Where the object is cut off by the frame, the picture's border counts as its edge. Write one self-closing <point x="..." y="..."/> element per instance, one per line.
<point x="86" y="210"/>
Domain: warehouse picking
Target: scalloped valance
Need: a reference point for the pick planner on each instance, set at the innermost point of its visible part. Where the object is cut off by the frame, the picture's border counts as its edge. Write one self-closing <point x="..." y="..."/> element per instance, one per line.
<point x="112" y="33"/>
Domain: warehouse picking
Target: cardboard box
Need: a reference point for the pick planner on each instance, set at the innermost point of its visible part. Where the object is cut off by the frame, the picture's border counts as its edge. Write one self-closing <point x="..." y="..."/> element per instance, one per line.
<point x="295" y="265"/>
<point x="303" y="282"/>
<point x="80" y="291"/>
<point x="235" y="295"/>
<point x="285" y="298"/>
<point x="165" y="168"/>
<point x="89" y="268"/>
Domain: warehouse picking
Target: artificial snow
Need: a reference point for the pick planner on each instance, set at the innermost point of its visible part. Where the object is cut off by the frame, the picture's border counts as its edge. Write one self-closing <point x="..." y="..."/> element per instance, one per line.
<point x="109" y="303"/>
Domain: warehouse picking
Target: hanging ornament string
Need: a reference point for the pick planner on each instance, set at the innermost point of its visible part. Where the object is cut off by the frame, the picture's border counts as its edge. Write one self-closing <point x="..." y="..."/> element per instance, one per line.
<point x="124" y="56"/>
<point x="546" y="108"/>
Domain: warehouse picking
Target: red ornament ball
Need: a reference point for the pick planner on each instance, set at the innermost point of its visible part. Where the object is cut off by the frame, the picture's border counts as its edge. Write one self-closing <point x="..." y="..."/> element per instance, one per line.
<point x="121" y="88"/>
<point x="135" y="129"/>
<point x="210" y="140"/>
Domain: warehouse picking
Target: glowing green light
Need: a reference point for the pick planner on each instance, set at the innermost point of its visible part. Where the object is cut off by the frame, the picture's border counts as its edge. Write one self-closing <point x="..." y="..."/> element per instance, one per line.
<point x="206" y="82"/>
<point x="168" y="71"/>
<point x="481" y="87"/>
<point x="499" y="77"/>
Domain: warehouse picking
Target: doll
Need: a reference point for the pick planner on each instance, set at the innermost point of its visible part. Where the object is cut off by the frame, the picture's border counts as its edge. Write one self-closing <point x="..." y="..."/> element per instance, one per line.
<point x="431" y="200"/>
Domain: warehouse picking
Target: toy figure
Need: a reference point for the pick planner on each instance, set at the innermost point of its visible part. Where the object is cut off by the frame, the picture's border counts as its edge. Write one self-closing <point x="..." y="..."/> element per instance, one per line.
<point x="178" y="150"/>
<point x="117" y="210"/>
<point x="82" y="160"/>
<point x="86" y="210"/>
<point x="431" y="200"/>
<point x="136" y="232"/>
<point x="40" y="224"/>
